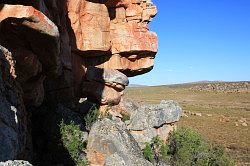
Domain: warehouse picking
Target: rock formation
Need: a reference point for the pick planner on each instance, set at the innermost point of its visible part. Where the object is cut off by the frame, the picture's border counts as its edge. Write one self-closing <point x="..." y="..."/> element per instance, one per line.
<point x="149" y="120"/>
<point x="114" y="142"/>
<point x="54" y="52"/>
<point x="111" y="144"/>
<point x="59" y="40"/>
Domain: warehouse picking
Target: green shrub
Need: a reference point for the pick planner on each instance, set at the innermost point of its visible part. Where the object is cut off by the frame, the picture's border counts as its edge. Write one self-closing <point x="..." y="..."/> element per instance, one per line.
<point x="82" y="163"/>
<point x="186" y="148"/>
<point x="156" y="150"/>
<point x="72" y="140"/>
<point x="125" y="116"/>
<point x="91" y="117"/>
<point x="148" y="153"/>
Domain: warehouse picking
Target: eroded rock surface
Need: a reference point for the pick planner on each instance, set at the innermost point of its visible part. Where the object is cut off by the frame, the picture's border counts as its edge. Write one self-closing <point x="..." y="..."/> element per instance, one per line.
<point x="110" y="143"/>
<point x="104" y="86"/>
<point x="149" y="120"/>
<point x="15" y="163"/>
<point x="56" y="41"/>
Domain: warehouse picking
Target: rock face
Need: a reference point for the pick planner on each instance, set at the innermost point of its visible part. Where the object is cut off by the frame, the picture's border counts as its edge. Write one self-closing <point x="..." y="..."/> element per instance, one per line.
<point x="114" y="142"/>
<point x="14" y="134"/>
<point x="110" y="143"/>
<point x="149" y="120"/>
<point x="55" y="42"/>
<point x="104" y="86"/>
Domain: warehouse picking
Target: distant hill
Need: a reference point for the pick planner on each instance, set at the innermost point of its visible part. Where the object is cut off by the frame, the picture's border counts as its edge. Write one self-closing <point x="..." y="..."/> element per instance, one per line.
<point x="136" y="85"/>
<point x="212" y="86"/>
<point x="228" y="87"/>
<point x="203" y="82"/>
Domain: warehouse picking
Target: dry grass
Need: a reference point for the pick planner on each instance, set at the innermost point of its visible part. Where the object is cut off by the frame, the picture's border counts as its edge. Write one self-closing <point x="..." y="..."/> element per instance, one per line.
<point x="220" y="113"/>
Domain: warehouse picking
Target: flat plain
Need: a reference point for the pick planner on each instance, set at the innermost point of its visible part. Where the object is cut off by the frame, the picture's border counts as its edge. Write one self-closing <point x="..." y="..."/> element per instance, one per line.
<point x="219" y="111"/>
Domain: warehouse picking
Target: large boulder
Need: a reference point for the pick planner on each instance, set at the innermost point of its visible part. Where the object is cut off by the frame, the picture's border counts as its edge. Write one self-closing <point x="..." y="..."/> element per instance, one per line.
<point x="155" y="115"/>
<point x="110" y="143"/>
<point x="107" y="76"/>
<point x="104" y="86"/>
<point x="149" y="120"/>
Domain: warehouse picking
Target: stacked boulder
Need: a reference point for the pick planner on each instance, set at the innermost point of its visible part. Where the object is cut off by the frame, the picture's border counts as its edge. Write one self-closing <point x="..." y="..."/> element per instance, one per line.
<point x="149" y="120"/>
<point x="104" y="86"/>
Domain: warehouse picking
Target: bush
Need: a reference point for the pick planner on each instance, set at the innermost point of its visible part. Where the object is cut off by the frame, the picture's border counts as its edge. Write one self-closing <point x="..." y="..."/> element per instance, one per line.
<point x="91" y="117"/>
<point x="125" y="116"/>
<point x="72" y="140"/>
<point x="186" y="148"/>
<point x="156" y="151"/>
<point x="148" y="153"/>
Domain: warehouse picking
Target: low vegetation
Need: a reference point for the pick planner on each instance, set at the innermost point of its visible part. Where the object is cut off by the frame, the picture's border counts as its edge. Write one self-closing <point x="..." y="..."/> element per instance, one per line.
<point x="125" y="116"/>
<point x="186" y="147"/>
<point x="91" y="117"/>
<point x="71" y="136"/>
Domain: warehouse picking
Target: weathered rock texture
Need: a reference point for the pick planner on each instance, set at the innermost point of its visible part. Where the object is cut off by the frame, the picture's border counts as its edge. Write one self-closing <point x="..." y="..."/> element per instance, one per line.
<point x="57" y="51"/>
<point x="14" y="135"/>
<point x="110" y="143"/>
<point x="56" y="41"/>
<point x="15" y="163"/>
<point x="149" y="120"/>
<point x="104" y="86"/>
<point x="114" y="142"/>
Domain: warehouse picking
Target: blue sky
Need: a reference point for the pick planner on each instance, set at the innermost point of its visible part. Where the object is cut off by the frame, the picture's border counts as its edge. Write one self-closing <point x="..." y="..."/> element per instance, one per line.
<point x="200" y="40"/>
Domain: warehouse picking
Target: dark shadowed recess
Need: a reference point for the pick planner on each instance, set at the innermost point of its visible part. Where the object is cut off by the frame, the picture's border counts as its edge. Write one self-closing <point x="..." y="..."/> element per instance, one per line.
<point x="47" y="143"/>
<point x="20" y="2"/>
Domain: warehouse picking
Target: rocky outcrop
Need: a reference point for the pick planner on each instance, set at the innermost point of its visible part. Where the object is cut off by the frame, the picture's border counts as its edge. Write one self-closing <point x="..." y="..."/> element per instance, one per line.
<point x="33" y="40"/>
<point x="104" y="86"/>
<point x="110" y="143"/>
<point x="54" y="52"/>
<point x="133" y="46"/>
<point x="54" y="43"/>
<point x="149" y="120"/>
<point x="120" y="142"/>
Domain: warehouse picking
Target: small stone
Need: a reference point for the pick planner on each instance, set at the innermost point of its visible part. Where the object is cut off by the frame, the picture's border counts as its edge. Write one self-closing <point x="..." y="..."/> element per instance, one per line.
<point x="198" y="114"/>
<point x="244" y="124"/>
